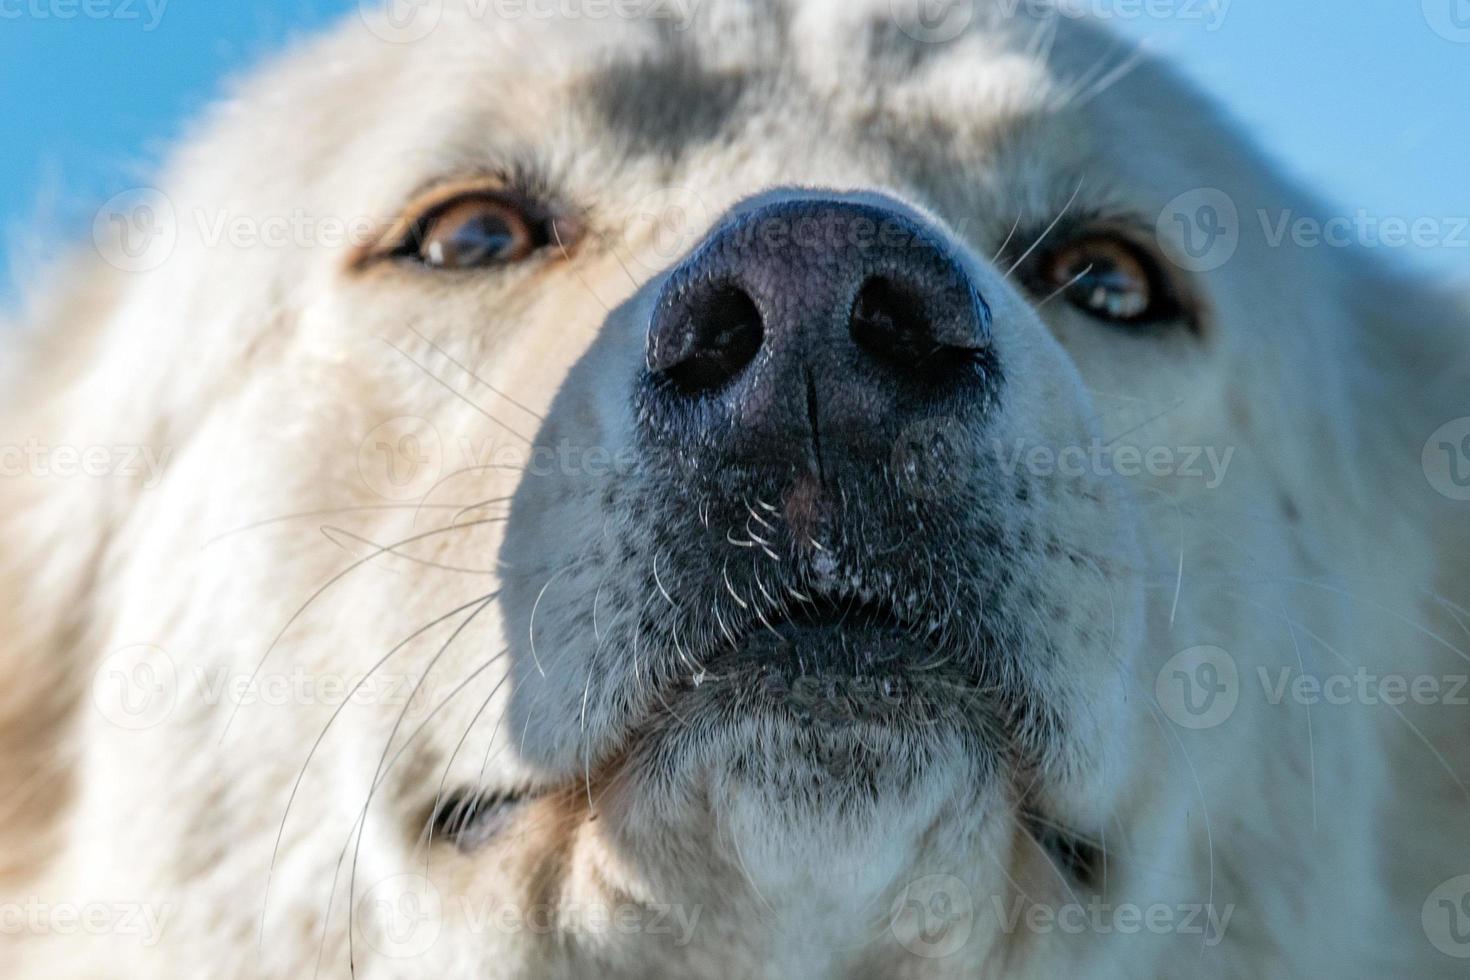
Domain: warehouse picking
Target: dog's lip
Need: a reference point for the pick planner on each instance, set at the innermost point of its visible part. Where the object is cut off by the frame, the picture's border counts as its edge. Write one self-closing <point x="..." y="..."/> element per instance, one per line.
<point x="824" y="636"/>
<point x="853" y="616"/>
<point x="829" y="663"/>
<point x="831" y="650"/>
<point x="854" y="612"/>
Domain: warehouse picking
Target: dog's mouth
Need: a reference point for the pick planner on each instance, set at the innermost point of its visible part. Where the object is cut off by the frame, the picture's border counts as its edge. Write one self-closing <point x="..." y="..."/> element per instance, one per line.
<point x="831" y="657"/>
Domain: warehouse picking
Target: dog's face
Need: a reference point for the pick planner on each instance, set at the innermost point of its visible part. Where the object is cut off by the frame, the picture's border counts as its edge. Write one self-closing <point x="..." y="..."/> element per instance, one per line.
<point x="764" y="442"/>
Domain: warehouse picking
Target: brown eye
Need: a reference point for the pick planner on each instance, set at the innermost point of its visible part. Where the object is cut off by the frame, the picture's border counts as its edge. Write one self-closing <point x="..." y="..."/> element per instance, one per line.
<point x="1110" y="278"/>
<point x="477" y="233"/>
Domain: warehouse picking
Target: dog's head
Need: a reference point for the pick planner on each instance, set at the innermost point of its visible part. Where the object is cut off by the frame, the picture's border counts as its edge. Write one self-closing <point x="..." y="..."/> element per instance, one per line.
<point x="808" y="461"/>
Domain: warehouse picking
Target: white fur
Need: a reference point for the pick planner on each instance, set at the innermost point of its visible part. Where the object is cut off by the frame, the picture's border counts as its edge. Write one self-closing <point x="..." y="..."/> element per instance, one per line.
<point x="262" y="371"/>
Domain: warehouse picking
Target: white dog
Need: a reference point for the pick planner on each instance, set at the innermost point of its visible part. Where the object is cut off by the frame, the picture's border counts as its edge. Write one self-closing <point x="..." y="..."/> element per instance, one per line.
<point x="772" y="489"/>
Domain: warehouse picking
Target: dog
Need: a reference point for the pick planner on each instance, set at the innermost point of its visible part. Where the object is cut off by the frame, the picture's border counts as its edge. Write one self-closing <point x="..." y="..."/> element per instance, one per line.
<point x="752" y="488"/>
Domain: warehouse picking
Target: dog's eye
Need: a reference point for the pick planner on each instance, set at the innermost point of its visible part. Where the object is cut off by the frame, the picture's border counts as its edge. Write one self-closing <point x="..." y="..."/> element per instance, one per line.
<point x="470" y="819"/>
<point x="1110" y="278"/>
<point x="477" y="233"/>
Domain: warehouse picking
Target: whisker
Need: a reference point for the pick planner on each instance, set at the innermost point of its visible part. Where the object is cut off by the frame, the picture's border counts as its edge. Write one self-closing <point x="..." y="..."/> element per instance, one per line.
<point x="483" y="383"/>
<point x="444" y="779"/>
<point x="1124" y="68"/>
<point x="1045" y="234"/>
<point x="380" y="774"/>
<point x="311" y="754"/>
<point x="995" y="259"/>
<point x="329" y="531"/>
<point x="1062" y="289"/>
<point x="313" y="514"/>
<point x="454" y="391"/>
<point x="556" y="233"/>
<point x="323" y="590"/>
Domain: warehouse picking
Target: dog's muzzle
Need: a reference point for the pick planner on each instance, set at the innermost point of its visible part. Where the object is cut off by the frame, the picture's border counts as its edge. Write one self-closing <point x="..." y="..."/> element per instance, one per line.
<point x="798" y="361"/>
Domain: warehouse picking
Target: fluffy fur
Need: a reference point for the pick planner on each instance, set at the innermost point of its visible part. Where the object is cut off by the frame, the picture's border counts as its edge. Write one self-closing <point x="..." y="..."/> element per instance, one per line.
<point x="512" y="602"/>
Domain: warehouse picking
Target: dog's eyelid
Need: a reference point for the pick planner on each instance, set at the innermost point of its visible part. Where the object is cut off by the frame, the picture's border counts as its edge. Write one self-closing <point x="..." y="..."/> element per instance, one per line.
<point x="470" y="818"/>
<point x="1122" y="239"/>
<point x="519" y="193"/>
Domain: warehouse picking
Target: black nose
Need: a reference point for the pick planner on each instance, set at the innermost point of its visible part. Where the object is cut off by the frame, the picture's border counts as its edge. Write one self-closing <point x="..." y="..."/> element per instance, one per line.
<point x="816" y="322"/>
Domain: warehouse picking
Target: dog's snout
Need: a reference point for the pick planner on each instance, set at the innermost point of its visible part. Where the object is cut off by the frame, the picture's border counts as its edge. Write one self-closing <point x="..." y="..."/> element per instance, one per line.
<point x="845" y="315"/>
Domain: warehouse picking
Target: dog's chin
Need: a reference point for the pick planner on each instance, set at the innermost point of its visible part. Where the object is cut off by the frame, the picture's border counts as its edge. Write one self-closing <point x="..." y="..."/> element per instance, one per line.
<point x="814" y="712"/>
<point x="809" y="733"/>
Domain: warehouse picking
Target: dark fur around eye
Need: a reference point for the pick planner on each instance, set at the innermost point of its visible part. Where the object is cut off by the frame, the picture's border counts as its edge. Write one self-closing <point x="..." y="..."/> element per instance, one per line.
<point x="470" y="818"/>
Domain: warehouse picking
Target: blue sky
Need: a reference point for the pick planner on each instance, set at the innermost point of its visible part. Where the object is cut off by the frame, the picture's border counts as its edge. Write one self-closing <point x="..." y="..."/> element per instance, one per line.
<point x="1367" y="101"/>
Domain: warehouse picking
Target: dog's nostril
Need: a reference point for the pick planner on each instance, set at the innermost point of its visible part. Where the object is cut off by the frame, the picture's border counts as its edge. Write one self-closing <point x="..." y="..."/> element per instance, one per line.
<point x="889" y="320"/>
<point x="708" y="339"/>
<point x="912" y="328"/>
